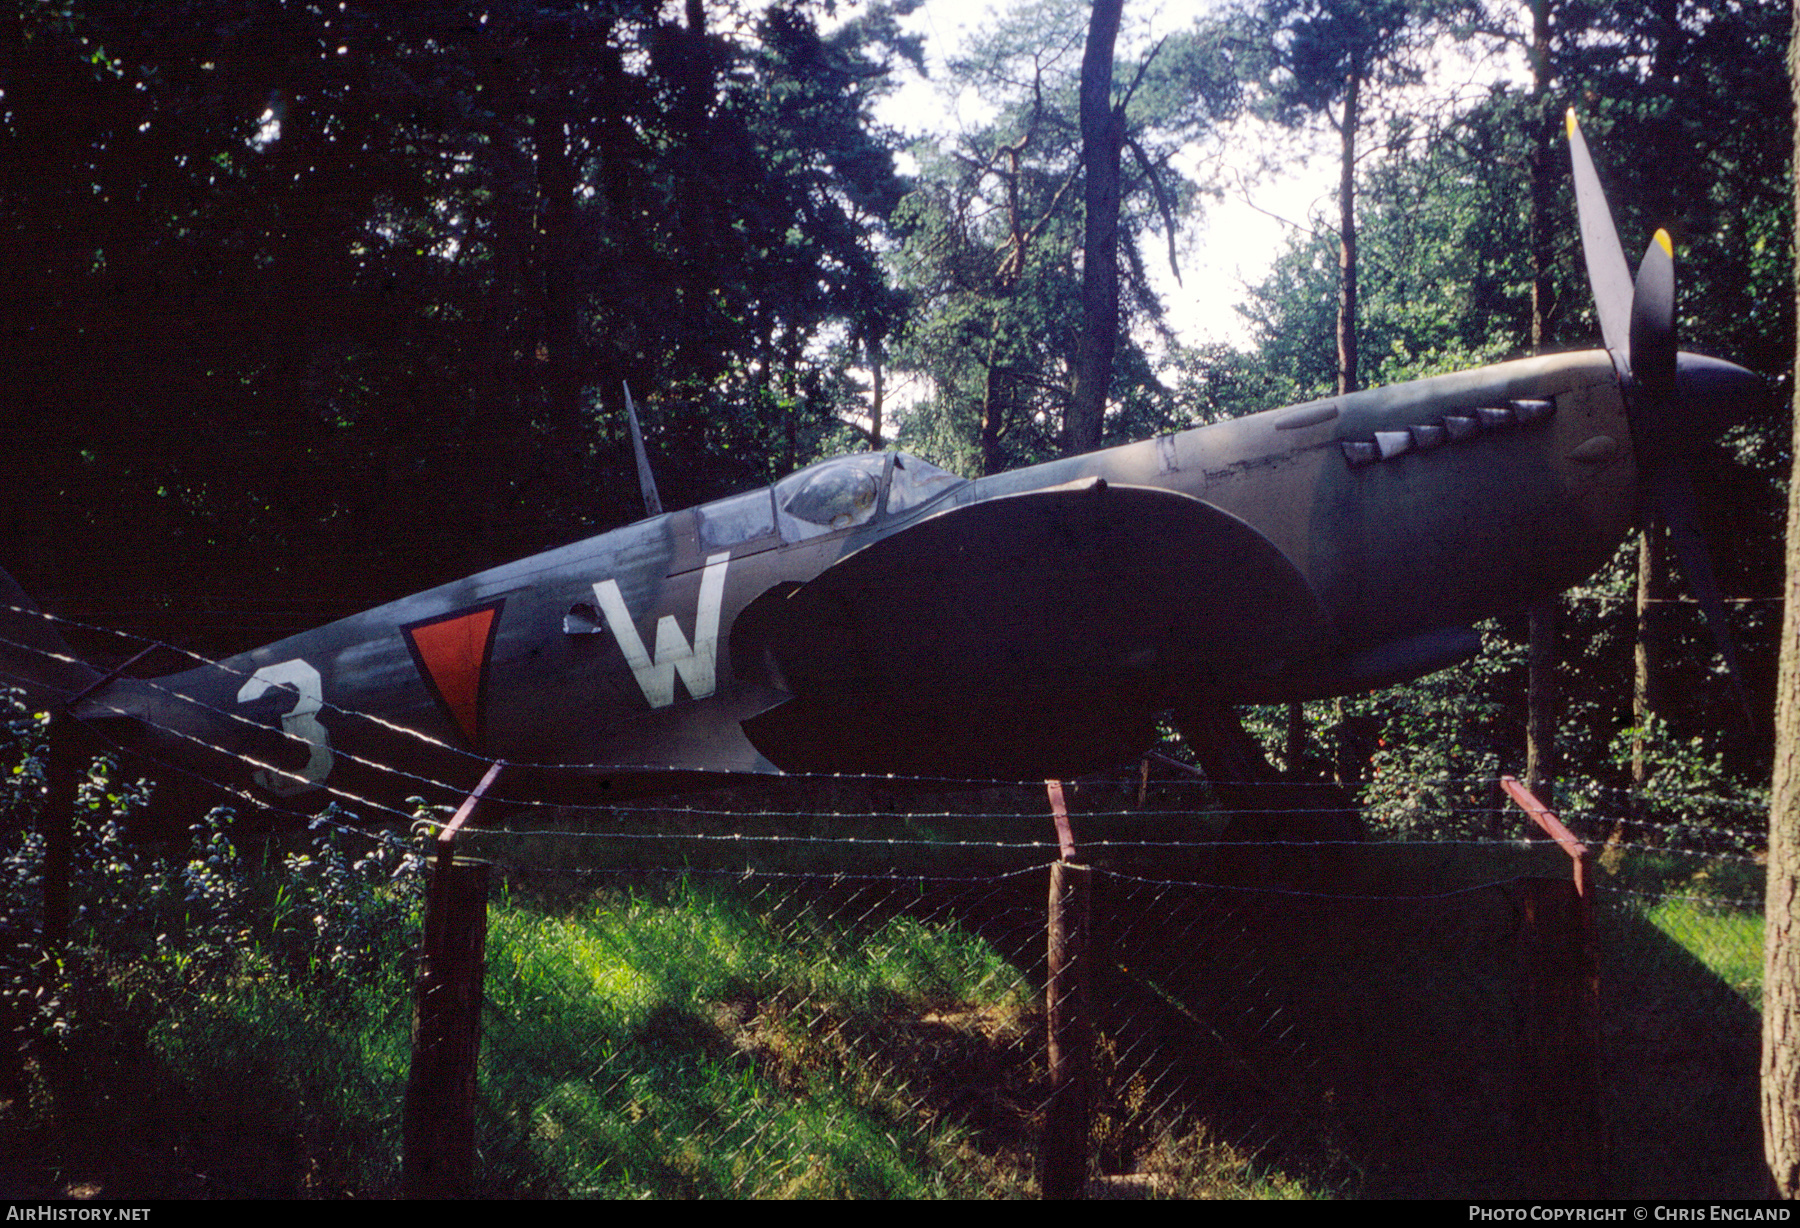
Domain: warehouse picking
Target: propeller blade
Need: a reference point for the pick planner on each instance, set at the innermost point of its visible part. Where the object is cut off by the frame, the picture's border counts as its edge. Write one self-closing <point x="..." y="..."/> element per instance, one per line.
<point x="1672" y="494"/>
<point x="1659" y="434"/>
<point x="1653" y="319"/>
<point x="1662" y="387"/>
<point x="1608" y="274"/>
<point x="1661" y="430"/>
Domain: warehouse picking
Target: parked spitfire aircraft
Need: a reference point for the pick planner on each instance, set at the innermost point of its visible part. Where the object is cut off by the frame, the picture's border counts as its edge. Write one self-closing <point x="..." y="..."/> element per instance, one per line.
<point x="875" y="614"/>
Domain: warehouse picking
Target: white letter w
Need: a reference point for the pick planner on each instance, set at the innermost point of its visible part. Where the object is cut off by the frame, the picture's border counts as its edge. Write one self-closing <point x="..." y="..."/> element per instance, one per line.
<point x="698" y="664"/>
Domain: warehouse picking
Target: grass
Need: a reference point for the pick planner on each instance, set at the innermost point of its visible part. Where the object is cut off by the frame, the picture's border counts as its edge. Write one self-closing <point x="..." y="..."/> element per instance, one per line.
<point x="723" y="1041"/>
<point x="1681" y="994"/>
<point x="662" y="1041"/>
<point x="699" y="1043"/>
<point x="728" y="1035"/>
<point x="237" y="1025"/>
<point x="1709" y="908"/>
<point x="1397" y="1040"/>
<point x="1728" y="941"/>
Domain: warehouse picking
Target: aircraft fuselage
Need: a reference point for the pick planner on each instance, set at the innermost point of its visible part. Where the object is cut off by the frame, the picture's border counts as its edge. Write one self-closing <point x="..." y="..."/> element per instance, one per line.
<point x="1345" y="543"/>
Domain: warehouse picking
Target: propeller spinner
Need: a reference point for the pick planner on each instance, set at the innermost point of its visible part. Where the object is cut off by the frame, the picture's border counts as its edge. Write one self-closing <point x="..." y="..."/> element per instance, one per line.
<point x="1663" y="387"/>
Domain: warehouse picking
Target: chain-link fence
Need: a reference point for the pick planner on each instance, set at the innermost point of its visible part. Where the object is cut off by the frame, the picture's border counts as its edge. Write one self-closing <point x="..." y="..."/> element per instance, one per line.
<point x="766" y="998"/>
<point x="1269" y="1016"/>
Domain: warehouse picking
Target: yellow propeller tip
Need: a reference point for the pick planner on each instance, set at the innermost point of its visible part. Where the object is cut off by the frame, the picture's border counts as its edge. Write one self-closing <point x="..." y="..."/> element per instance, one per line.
<point x="1572" y="124"/>
<point x="1667" y="244"/>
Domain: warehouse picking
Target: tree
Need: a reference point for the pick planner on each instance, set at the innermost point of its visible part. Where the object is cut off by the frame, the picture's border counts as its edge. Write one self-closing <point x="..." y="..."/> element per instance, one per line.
<point x="1449" y="281"/>
<point x="339" y="298"/>
<point x="1102" y="145"/>
<point x="1674" y="82"/>
<point x="1781" y="923"/>
<point x="996" y="252"/>
<point x="1323" y="58"/>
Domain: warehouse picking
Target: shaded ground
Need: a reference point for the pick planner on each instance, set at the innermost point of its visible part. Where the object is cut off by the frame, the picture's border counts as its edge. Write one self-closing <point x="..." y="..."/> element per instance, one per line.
<point x="1373" y="1047"/>
<point x="1257" y="1035"/>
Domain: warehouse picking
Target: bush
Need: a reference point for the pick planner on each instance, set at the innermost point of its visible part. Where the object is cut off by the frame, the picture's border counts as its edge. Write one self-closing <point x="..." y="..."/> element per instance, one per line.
<point x="226" y="1018"/>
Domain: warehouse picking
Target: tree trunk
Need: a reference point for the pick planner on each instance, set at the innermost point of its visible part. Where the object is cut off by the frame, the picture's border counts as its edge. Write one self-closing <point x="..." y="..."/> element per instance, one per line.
<point x="1102" y="142"/>
<point x="876" y="358"/>
<point x="1346" y="318"/>
<point x="1347" y="376"/>
<point x="1540" y="723"/>
<point x="1540" y="695"/>
<point x="1781" y="924"/>
<point x="1545" y="173"/>
<point x="993" y="407"/>
<point x="1645" y="696"/>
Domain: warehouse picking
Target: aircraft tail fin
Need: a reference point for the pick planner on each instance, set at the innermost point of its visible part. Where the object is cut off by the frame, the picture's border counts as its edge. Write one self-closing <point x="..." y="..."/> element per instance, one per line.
<point x="33" y="657"/>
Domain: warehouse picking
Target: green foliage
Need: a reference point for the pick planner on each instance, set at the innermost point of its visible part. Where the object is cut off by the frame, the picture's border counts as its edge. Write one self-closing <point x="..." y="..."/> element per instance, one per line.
<point x="208" y="916"/>
<point x="1310" y="51"/>
<point x="1685" y="120"/>
<point x="235" y="1009"/>
<point x="341" y="298"/>
<point x="1441" y="289"/>
<point x="992" y="237"/>
<point x="1446" y="276"/>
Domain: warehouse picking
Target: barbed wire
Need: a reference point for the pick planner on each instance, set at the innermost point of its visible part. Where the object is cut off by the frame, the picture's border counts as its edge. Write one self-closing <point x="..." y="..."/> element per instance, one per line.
<point x="590" y="767"/>
<point x="1576" y="811"/>
<point x="1656" y="795"/>
<point x="749" y="875"/>
<point x="602" y="767"/>
<point x="1100" y="843"/>
<point x="1746" y="904"/>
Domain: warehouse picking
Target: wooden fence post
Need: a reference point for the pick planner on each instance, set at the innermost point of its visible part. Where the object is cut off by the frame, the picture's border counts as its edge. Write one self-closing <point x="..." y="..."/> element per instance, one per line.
<point x="1561" y="1115"/>
<point x="1065" y="1146"/>
<point x="1063" y="1161"/>
<point x="57" y="823"/>
<point x="439" y="1115"/>
<point x="1563" y="1139"/>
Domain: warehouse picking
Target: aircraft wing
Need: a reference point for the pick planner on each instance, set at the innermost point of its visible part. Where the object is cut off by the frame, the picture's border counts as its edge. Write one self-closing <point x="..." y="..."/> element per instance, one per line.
<point x="1031" y="634"/>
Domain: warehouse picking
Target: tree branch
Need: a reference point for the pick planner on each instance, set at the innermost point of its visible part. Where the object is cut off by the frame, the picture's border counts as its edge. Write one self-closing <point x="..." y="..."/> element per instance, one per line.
<point x="1162" y="201"/>
<point x="1143" y="67"/>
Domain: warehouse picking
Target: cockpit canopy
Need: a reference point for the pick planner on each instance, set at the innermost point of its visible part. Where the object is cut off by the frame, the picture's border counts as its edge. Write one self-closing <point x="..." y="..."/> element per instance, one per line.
<point x="828" y="497"/>
<point x="847" y="491"/>
<point x="915" y="482"/>
<point x="834" y="494"/>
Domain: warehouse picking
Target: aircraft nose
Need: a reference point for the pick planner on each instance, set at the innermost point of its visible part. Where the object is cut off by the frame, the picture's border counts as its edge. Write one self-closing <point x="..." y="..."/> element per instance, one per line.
<point x="1715" y="395"/>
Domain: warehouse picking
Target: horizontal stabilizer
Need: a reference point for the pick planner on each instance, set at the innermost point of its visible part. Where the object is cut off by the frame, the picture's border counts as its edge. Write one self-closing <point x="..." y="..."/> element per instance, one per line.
<point x="33" y="657"/>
